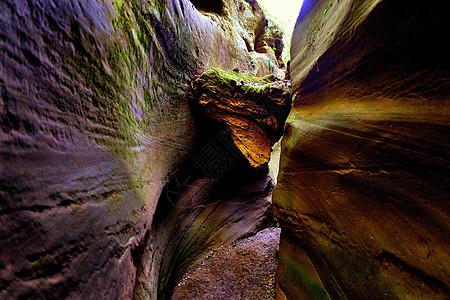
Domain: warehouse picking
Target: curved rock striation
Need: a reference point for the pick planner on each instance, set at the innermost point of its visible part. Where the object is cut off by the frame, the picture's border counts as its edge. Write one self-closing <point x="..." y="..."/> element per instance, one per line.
<point x="93" y="123"/>
<point x="362" y="195"/>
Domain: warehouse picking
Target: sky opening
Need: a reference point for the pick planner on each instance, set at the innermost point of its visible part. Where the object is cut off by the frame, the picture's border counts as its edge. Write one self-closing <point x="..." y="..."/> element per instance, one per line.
<point x="285" y="13"/>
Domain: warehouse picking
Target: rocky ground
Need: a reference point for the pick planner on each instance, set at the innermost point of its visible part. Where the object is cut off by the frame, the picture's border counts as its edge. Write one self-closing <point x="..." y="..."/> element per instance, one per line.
<point x="243" y="270"/>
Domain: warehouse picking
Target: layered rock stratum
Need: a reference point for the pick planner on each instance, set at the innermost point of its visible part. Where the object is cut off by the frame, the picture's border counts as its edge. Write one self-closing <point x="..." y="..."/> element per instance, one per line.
<point x="252" y="109"/>
<point x="362" y="195"/>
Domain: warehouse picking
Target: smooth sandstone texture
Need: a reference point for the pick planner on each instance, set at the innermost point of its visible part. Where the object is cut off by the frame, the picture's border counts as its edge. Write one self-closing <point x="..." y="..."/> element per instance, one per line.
<point x="364" y="175"/>
<point x="93" y="123"/>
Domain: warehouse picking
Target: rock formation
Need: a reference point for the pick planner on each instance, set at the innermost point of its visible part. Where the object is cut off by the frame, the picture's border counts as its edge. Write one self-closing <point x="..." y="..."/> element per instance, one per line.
<point x="94" y="127"/>
<point x="222" y="192"/>
<point x="362" y="195"/>
<point x="252" y="109"/>
<point x="121" y="165"/>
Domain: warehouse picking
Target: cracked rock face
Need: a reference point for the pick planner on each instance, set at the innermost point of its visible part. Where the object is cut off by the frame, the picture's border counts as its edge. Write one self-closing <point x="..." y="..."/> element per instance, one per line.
<point x="93" y="122"/>
<point x="362" y="195"/>
<point x="253" y="109"/>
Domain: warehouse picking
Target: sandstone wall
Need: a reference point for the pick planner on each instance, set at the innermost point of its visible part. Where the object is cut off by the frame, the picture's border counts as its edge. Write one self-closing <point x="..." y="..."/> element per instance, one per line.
<point x="93" y="124"/>
<point x="362" y="195"/>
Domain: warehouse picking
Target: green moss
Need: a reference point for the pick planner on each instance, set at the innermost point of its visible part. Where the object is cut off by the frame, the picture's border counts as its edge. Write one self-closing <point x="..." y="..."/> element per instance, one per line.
<point x="37" y="263"/>
<point x="135" y="214"/>
<point x="315" y="28"/>
<point x="217" y="78"/>
<point x="304" y="281"/>
<point x="227" y="77"/>
<point x="118" y="6"/>
<point x="114" y="202"/>
<point x="328" y="7"/>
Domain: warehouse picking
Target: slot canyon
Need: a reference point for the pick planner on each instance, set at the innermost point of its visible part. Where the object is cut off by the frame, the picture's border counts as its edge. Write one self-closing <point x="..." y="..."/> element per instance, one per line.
<point x="185" y="149"/>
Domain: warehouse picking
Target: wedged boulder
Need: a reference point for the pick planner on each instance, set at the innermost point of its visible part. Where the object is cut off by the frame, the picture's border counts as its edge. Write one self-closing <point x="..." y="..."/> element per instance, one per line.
<point x="223" y="191"/>
<point x="252" y="109"/>
<point x="93" y="122"/>
<point x="362" y="195"/>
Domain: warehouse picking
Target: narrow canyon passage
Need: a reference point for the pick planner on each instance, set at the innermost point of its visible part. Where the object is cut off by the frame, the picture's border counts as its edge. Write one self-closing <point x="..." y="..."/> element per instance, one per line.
<point x="224" y="191"/>
<point x="140" y="142"/>
<point x="103" y="193"/>
<point x="243" y="270"/>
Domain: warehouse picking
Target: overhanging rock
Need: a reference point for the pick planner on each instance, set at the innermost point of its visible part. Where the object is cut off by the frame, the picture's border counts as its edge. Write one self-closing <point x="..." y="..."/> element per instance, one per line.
<point x="252" y="109"/>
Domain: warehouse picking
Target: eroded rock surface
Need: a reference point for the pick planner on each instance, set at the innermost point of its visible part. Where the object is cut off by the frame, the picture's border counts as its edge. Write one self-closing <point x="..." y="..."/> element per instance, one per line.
<point x="93" y="124"/>
<point x="362" y="195"/>
<point x="223" y="191"/>
<point x="197" y="213"/>
<point x="252" y="109"/>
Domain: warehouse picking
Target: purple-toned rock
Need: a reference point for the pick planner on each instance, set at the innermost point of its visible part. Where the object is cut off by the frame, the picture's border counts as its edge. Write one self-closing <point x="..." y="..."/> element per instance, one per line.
<point x="93" y="123"/>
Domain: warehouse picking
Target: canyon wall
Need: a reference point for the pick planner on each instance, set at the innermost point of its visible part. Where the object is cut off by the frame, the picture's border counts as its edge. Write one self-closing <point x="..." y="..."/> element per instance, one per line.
<point x="362" y="195"/>
<point x="94" y="127"/>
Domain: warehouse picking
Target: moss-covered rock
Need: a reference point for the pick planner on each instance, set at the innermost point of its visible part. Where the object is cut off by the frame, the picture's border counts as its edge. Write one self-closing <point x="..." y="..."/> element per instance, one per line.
<point x="253" y="109"/>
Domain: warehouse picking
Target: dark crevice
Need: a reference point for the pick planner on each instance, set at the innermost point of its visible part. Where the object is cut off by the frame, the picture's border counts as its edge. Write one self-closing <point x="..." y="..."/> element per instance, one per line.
<point x="211" y="196"/>
<point x="138" y="251"/>
<point x="210" y="6"/>
<point x="34" y="208"/>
